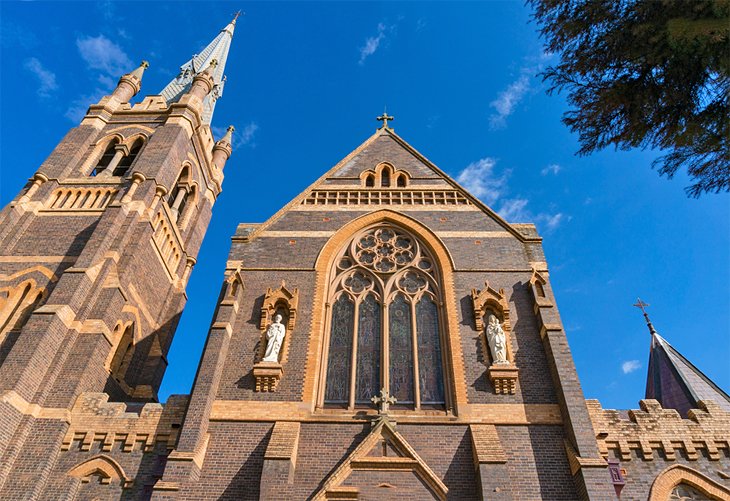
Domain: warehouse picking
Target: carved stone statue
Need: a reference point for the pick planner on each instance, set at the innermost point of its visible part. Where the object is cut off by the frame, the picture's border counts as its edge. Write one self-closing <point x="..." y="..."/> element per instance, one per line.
<point x="274" y="337"/>
<point x="497" y="341"/>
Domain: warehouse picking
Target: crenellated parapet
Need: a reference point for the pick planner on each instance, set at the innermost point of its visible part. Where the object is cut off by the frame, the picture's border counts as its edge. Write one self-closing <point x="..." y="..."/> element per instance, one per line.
<point x="94" y="419"/>
<point x="654" y="431"/>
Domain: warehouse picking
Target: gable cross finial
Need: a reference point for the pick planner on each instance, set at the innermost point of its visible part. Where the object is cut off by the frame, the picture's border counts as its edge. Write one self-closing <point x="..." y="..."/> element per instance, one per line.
<point x="385" y="118"/>
<point x="642" y="305"/>
<point x="384" y="400"/>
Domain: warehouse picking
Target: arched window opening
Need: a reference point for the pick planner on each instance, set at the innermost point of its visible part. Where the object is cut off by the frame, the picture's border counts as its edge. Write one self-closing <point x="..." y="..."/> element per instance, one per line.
<point x="106" y="158"/>
<point x="126" y="162"/>
<point x="369" y="181"/>
<point x="187" y="207"/>
<point x="340" y="346"/>
<point x="123" y="356"/>
<point x="385" y="177"/>
<point x="384" y="324"/>
<point x="401" y="183"/>
<point x="685" y="492"/>
<point x="16" y="306"/>
<point x="179" y="195"/>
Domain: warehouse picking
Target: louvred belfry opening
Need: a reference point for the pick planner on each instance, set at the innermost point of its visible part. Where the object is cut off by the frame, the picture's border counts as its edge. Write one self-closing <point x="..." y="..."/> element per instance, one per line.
<point x="385" y="324"/>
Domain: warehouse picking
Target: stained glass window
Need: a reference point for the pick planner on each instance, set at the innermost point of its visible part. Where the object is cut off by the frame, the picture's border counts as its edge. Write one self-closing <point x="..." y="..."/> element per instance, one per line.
<point x="401" y="351"/>
<point x="368" y="350"/>
<point x="384" y="261"/>
<point x="340" y="351"/>
<point x="684" y="492"/>
<point x="430" y="374"/>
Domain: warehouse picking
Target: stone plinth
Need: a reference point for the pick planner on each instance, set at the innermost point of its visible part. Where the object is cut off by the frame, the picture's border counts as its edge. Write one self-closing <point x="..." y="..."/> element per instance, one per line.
<point x="267" y="375"/>
<point x="503" y="378"/>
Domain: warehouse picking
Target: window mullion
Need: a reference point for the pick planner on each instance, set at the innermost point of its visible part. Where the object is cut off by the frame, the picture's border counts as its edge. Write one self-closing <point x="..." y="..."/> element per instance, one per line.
<point x="385" y="333"/>
<point x="353" y="360"/>
<point x="325" y="358"/>
<point x="414" y="336"/>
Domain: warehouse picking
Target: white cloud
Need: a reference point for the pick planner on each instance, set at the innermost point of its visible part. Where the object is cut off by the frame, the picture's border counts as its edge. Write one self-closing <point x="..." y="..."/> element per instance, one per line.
<point x="479" y="179"/>
<point x="506" y="101"/>
<point x="483" y="181"/>
<point x="372" y="44"/>
<point x="551" y="221"/>
<point x="552" y="168"/>
<point x="46" y="78"/>
<point x="241" y="137"/>
<point x="246" y="136"/>
<point x="513" y="209"/>
<point x="630" y="366"/>
<point x="78" y="107"/>
<point x="103" y="55"/>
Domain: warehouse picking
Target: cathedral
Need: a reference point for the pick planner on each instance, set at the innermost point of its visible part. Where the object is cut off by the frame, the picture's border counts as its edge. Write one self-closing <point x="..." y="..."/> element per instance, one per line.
<point x="383" y="336"/>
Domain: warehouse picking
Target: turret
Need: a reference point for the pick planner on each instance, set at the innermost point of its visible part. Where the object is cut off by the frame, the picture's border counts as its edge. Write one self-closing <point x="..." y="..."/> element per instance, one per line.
<point x="130" y="84"/>
<point x="222" y="149"/>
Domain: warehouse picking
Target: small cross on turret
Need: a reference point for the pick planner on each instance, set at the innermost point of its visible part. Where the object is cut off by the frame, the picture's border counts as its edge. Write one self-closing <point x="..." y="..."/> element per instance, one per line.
<point x="384" y="400"/>
<point x="385" y="118"/>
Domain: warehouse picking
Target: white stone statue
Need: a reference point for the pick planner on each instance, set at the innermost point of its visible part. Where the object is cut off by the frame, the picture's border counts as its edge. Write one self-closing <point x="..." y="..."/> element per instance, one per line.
<point x="274" y="337"/>
<point x="497" y="341"/>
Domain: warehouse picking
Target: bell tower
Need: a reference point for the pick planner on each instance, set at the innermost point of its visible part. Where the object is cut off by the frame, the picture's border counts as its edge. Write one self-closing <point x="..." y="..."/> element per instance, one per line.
<point x="95" y="255"/>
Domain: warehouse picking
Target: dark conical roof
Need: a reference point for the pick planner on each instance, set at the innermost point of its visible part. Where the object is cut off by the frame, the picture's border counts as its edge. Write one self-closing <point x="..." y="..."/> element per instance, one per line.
<point x="676" y="383"/>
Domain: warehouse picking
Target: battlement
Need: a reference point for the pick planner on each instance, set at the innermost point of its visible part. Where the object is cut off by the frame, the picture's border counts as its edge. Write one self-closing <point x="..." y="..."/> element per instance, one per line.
<point x="654" y="429"/>
<point x="94" y="419"/>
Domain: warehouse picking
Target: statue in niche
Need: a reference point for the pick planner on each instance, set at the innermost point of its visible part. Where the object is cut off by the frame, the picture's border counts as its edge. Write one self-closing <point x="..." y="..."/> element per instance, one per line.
<point x="274" y="337"/>
<point x="497" y="341"/>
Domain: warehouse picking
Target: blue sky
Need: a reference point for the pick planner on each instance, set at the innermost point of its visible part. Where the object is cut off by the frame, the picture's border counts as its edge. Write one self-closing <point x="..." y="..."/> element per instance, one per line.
<point x="305" y="83"/>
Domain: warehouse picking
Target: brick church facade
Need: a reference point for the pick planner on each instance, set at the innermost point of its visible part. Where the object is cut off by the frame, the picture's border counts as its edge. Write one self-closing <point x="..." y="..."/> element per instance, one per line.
<point x="385" y="335"/>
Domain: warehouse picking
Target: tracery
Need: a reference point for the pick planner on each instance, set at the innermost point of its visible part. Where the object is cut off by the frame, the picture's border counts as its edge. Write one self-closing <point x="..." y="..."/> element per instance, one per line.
<point x="384" y="323"/>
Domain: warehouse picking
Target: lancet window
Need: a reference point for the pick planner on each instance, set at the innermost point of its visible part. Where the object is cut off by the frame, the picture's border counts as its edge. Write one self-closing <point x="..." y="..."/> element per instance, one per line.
<point x="385" y="326"/>
<point x="123" y="355"/>
<point x="16" y="305"/>
<point x="106" y="158"/>
<point x="180" y="197"/>
<point x="117" y="158"/>
<point x="126" y="162"/>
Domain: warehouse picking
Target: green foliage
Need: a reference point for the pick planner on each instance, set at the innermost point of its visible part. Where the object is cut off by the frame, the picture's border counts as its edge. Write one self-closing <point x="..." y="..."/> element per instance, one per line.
<point x="646" y="73"/>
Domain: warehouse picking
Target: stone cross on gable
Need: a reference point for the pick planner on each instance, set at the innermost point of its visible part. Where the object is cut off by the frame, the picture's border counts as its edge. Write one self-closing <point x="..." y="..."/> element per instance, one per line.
<point x="385" y="118"/>
<point x="384" y="400"/>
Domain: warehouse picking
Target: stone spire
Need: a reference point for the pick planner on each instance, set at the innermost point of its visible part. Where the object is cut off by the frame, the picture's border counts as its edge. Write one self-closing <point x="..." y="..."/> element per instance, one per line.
<point x="216" y="50"/>
<point x="673" y="380"/>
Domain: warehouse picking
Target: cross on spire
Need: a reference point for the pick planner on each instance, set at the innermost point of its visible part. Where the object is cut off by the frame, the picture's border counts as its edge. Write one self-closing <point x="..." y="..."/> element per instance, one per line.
<point x="385" y="118"/>
<point x="384" y="401"/>
<point x="642" y="305"/>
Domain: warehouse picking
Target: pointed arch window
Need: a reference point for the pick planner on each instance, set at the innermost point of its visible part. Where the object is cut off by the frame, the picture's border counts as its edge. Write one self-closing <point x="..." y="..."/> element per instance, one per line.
<point x="122" y="360"/>
<point x="126" y="162"/>
<point x="179" y="197"/>
<point x="384" y="324"/>
<point x="106" y="158"/>
<point x="385" y="177"/>
<point x="16" y="305"/>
